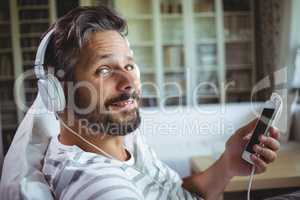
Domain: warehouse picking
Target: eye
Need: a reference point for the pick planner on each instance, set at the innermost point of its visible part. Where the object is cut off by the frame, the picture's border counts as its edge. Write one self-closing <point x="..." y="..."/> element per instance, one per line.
<point x="129" y="67"/>
<point x="104" y="71"/>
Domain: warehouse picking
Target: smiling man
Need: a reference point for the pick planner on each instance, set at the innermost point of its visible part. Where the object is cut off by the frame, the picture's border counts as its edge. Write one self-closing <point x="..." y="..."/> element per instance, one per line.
<point x="90" y="158"/>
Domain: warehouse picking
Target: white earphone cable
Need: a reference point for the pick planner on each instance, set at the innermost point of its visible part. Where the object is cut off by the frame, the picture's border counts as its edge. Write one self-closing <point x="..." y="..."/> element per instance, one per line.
<point x="250" y="182"/>
<point x="83" y="139"/>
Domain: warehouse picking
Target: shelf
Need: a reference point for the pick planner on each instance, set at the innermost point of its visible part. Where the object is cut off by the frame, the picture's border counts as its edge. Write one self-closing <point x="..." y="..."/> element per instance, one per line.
<point x="34" y="21"/>
<point x="142" y="44"/>
<point x="240" y="67"/>
<point x="5" y="35"/>
<point x="6" y="78"/>
<point x="28" y="62"/>
<point x="207" y="68"/>
<point x="31" y="35"/>
<point x="149" y="95"/>
<point x="8" y="106"/>
<point x="208" y="96"/>
<point x="174" y="42"/>
<point x="139" y="17"/>
<point x="206" y="41"/>
<point x="204" y="14"/>
<point x="239" y="90"/>
<point x="147" y="71"/>
<point x="6" y="50"/>
<point x="174" y="69"/>
<point x="4" y="22"/>
<point x="171" y="16"/>
<point x="7" y="127"/>
<point x="237" y="40"/>
<point x="29" y="49"/>
<point x="34" y="7"/>
<point x="237" y="14"/>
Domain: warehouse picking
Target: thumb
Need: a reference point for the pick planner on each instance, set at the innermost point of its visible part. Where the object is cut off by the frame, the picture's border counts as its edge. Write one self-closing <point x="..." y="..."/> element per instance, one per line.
<point x="246" y="139"/>
<point x="248" y="128"/>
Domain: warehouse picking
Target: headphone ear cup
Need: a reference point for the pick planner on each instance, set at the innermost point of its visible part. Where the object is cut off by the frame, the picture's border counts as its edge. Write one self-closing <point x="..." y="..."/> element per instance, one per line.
<point x="52" y="93"/>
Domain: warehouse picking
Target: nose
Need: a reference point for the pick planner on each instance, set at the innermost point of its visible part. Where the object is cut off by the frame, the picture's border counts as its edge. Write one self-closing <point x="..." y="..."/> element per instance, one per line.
<point x="125" y="83"/>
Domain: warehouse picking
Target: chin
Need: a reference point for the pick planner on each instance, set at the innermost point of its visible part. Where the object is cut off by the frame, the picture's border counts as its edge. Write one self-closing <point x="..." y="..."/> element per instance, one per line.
<point x="124" y="123"/>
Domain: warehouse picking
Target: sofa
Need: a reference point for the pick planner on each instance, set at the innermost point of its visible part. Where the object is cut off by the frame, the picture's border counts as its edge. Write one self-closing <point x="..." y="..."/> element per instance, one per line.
<point x="178" y="133"/>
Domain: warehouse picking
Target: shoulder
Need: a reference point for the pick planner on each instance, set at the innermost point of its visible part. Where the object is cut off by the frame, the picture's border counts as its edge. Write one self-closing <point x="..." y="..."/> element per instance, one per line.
<point x="81" y="175"/>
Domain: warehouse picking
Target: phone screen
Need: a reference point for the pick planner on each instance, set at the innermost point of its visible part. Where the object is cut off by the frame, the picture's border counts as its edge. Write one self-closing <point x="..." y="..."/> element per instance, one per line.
<point x="261" y="126"/>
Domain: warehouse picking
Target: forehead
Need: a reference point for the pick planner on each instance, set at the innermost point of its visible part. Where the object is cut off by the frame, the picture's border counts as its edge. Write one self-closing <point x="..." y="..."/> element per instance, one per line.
<point x="107" y="42"/>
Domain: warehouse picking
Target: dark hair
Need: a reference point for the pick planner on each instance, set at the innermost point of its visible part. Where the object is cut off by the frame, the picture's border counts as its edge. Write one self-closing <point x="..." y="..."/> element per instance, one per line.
<point x="71" y="32"/>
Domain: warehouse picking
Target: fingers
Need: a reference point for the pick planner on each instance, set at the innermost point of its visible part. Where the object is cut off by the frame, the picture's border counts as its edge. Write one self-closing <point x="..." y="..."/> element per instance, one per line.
<point x="274" y="133"/>
<point x="260" y="165"/>
<point x="269" y="142"/>
<point x="265" y="154"/>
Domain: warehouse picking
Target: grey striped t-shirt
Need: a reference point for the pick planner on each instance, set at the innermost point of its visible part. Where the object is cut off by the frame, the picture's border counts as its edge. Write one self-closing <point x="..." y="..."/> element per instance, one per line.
<point x="75" y="174"/>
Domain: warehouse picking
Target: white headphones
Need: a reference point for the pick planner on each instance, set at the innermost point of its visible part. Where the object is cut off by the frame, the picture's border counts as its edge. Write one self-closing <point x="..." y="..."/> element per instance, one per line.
<point x="51" y="91"/>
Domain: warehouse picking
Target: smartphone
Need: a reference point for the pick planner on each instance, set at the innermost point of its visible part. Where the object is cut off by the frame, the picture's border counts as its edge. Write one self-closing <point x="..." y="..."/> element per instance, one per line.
<point x="268" y="114"/>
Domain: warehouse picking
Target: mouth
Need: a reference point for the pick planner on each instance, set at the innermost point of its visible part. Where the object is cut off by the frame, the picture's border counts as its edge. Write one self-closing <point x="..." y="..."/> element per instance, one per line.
<point x="124" y="105"/>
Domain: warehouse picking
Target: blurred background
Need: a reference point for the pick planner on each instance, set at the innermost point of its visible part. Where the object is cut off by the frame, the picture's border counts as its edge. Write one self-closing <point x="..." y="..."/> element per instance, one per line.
<point x="205" y="53"/>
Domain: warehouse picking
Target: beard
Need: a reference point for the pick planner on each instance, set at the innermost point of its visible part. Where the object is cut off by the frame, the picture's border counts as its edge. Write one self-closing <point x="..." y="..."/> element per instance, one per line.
<point x="113" y="123"/>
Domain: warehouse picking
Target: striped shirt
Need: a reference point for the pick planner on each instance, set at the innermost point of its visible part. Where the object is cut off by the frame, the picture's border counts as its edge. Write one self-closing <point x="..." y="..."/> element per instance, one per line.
<point x="76" y="175"/>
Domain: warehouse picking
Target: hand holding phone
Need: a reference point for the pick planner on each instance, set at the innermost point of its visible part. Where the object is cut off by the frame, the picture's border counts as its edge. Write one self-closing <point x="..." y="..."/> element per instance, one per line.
<point x="270" y="111"/>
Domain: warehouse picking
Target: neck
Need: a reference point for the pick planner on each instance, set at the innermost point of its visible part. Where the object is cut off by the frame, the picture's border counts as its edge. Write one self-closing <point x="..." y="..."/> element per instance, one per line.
<point x="112" y="145"/>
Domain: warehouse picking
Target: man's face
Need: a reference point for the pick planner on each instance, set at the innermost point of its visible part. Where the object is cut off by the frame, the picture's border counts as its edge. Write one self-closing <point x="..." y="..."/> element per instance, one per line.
<point x="107" y="81"/>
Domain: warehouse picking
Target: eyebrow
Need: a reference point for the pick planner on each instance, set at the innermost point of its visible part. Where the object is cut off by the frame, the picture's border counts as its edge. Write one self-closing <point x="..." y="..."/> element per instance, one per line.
<point x="109" y="56"/>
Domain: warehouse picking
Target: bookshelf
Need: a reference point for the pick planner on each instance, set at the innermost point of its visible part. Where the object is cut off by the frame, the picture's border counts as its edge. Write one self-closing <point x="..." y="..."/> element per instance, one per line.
<point x="173" y="54"/>
<point x="22" y="23"/>
<point x="140" y="17"/>
<point x="206" y="20"/>
<point x="33" y="19"/>
<point x="185" y="47"/>
<point x="239" y="48"/>
<point x="9" y="113"/>
<point x="193" y="51"/>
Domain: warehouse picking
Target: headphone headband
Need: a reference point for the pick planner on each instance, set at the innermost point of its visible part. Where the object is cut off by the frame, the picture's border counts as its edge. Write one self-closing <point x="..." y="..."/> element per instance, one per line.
<point x="40" y="56"/>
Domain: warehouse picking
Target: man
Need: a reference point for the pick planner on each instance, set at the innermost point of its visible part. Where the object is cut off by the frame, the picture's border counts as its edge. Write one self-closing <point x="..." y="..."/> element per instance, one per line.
<point x="89" y="159"/>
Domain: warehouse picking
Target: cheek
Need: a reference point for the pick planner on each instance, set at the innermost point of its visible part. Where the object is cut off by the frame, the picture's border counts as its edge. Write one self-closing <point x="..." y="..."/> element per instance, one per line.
<point x="105" y="89"/>
<point x="83" y="97"/>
